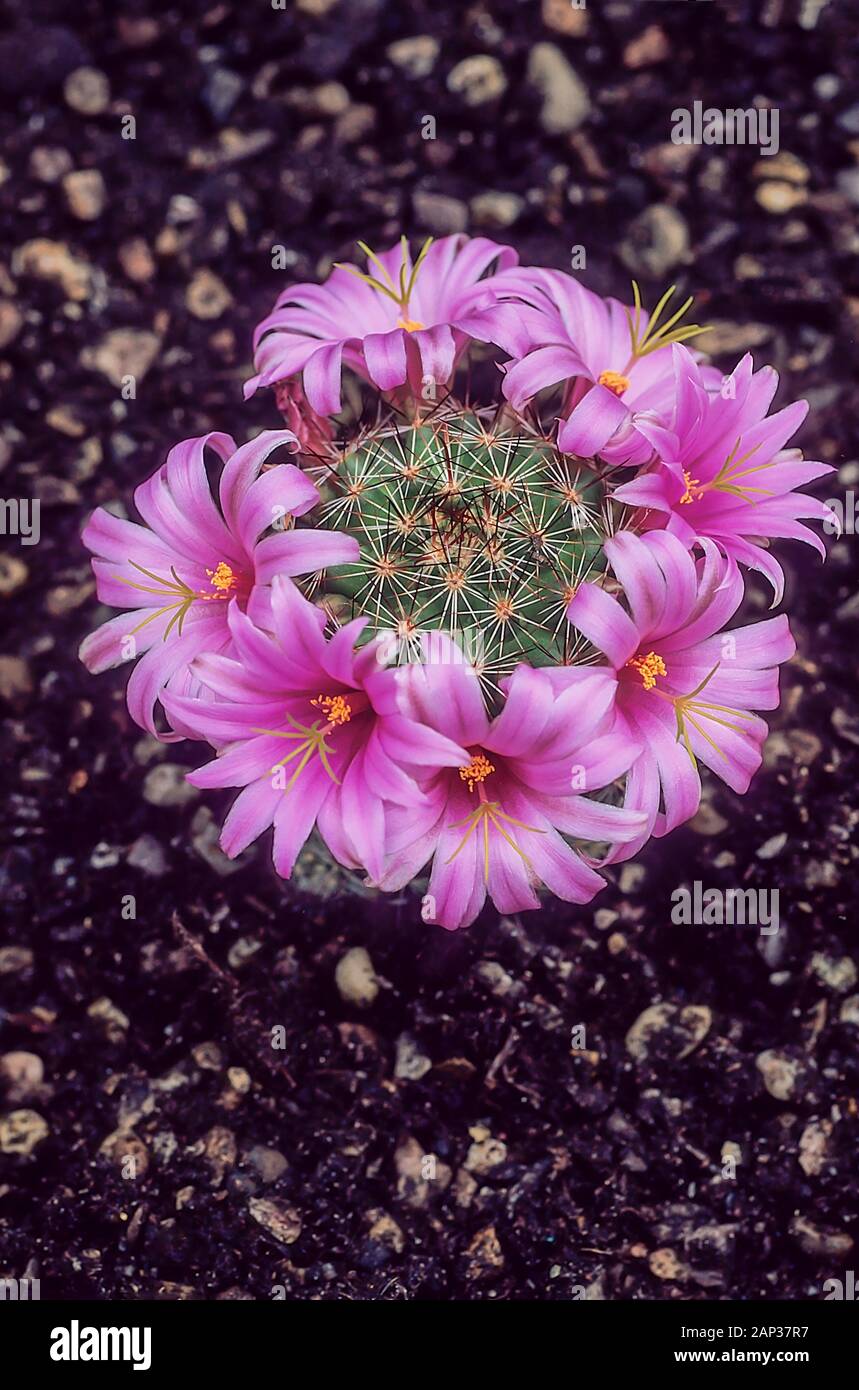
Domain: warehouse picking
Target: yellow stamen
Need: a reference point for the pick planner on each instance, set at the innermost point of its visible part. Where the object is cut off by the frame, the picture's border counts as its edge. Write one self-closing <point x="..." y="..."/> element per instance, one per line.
<point x="222" y="580"/>
<point x="727" y="478"/>
<point x="693" y="491"/>
<point x="614" y="381"/>
<point x="648" y="667"/>
<point x="657" y="334"/>
<point x="400" y="290"/>
<point x="176" y="591"/>
<point x="688" y="709"/>
<point x="477" y="771"/>
<point x="336" y="708"/>
<point x="489" y="813"/>
<point x="311" y="741"/>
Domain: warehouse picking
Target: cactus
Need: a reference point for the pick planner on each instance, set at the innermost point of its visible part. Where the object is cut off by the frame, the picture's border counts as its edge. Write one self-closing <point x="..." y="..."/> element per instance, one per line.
<point x="466" y="527"/>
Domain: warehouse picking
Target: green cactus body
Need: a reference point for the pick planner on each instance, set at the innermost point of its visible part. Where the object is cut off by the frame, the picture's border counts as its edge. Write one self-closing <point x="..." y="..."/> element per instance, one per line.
<point x="467" y="529"/>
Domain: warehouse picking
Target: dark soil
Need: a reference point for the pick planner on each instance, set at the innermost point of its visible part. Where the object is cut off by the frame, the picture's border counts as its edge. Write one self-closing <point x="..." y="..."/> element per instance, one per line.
<point x="181" y="1154"/>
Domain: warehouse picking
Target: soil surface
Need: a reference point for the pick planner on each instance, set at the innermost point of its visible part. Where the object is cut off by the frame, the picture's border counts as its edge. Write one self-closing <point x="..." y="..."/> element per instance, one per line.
<point x="205" y="1095"/>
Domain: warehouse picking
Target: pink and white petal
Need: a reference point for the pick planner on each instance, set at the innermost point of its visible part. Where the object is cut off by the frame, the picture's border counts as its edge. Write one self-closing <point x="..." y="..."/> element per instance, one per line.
<point x="591" y="820"/>
<point x="385" y="358"/>
<point x="113" y="538"/>
<point x="281" y="491"/>
<point x="241" y="764"/>
<point x="511" y="327"/>
<point x="474" y="256"/>
<point x="121" y="639"/>
<point x="218" y="722"/>
<point x="257" y="650"/>
<point x="176" y="527"/>
<point x="580" y="713"/>
<point x="296" y="815"/>
<point x="738" y="751"/>
<point x="754" y="646"/>
<point x="231" y="680"/>
<point x="604" y="759"/>
<point x="644" y="587"/>
<point x="385" y="779"/>
<point x="600" y="618"/>
<point x="642" y="794"/>
<point x="457" y="888"/>
<point x="526" y="710"/>
<point x="329" y="824"/>
<point x="592" y="422"/>
<point x="162" y="661"/>
<point x="563" y="871"/>
<point x="339" y="656"/>
<point x="363" y="816"/>
<point x="303" y="551"/>
<point x="678" y="776"/>
<point x="322" y="379"/>
<point x="412" y="835"/>
<point x="189" y="485"/>
<point x="241" y="471"/>
<point x="417" y="745"/>
<point x="437" y="350"/>
<point x="299" y="628"/>
<point x="251" y="813"/>
<point x="447" y="697"/>
<point x="509" y="885"/>
<point x="119" y="584"/>
<point x="658" y="490"/>
<point x="544" y="367"/>
<point x="681" y="580"/>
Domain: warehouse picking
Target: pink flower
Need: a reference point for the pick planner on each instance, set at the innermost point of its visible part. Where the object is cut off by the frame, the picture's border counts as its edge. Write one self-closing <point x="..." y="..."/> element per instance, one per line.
<point x="401" y="322"/>
<point x="722" y="469"/>
<point x="192" y="556"/>
<point x="495" y="826"/>
<point x="684" y="689"/>
<point x="311" y="731"/>
<point x="614" y="362"/>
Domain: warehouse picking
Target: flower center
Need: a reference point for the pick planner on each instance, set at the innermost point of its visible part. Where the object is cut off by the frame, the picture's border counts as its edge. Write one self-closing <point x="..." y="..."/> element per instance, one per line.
<point x="410" y="325"/>
<point x="336" y="708"/>
<point x="648" y="667"/>
<point x="614" y="381"/>
<point x="693" y="491"/>
<point x="222" y="580"/>
<point x="311" y="740"/>
<point x="477" y="771"/>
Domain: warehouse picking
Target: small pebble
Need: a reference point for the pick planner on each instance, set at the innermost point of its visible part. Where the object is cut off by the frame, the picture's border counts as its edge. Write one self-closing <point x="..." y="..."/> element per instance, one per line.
<point x="477" y="80"/>
<point x="21" y="1131"/>
<point x="87" y="91"/>
<point x="356" y="979"/>
<point x="85" y="194"/>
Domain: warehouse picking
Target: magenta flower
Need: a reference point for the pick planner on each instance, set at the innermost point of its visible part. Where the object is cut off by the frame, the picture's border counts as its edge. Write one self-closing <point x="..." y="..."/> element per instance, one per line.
<point x="310" y="730"/>
<point x="180" y="569"/>
<point x="722" y="469"/>
<point x="403" y="322"/>
<point x="684" y="688"/>
<point x="495" y="825"/>
<point x="614" y="362"/>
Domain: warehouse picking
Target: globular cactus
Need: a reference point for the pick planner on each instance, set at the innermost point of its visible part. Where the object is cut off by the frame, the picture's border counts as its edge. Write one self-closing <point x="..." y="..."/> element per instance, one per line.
<point x="468" y="526"/>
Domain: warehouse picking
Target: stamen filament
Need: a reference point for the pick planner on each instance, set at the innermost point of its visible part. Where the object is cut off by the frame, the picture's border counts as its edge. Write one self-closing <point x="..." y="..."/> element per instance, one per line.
<point x="656" y="337"/>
